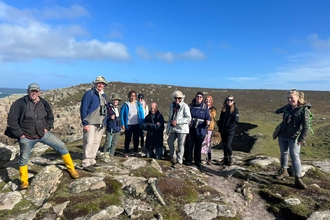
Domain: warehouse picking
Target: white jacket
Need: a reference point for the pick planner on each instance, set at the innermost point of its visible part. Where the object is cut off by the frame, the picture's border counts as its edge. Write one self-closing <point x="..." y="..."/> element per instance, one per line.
<point x="182" y="117"/>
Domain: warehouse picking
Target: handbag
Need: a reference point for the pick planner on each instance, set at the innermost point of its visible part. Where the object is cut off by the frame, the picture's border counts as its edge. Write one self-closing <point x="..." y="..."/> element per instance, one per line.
<point x="277" y="131"/>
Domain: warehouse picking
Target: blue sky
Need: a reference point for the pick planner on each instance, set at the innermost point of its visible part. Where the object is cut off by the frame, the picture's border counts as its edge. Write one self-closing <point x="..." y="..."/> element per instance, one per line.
<point x="239" y="44"/>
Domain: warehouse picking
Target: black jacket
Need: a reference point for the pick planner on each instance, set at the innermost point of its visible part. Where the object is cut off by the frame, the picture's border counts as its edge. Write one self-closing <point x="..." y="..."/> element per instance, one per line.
<point x="17" y="114"/>
<point x="295" y="121"/>
<point x="228" y="121"/>
<point x="154" y="130"/>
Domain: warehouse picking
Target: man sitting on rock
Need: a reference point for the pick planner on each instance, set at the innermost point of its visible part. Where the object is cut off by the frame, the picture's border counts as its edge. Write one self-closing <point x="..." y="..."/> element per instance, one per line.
<point x="30" y="119"/>
<point x="154" y="125"/>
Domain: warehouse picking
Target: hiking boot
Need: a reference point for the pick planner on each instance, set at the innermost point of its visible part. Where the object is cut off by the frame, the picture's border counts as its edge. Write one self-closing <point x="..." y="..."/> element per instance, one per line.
<point x="90" y="169"/>
<point x="222" y="162"/>
<point x="282" y="174"/>
<point x="231" y="161"/>
<point x="299" y="183"/>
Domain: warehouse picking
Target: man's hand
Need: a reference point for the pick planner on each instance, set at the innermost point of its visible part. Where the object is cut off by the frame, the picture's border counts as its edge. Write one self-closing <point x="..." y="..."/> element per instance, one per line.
<point x="86" y="128"/>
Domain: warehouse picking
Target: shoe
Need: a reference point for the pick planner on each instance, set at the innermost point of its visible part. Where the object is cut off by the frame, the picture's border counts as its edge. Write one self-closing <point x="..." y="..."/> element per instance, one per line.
<point x="126" y="155"/>
<point x="97" y="165"/>
<point x="198" y="164"/>
<point x="299" y="183"/>
<point x="283" y="172"/>
<point x="209" y="162"/>
<point x="90" y="169"/>
<point x="223" y="162"/>
<point x="177" y="165"/>
<point x="173" y="161"/>
<point x="188" y="163"/>
<point x="231" y="161"/>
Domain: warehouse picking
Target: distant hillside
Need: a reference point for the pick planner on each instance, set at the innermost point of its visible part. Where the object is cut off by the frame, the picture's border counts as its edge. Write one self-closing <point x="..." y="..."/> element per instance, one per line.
<point x="246" y="99"/>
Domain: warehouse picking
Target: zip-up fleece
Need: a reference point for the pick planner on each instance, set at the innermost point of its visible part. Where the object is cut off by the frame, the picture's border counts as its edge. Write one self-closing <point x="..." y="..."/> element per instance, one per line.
<point x="125" y="110"/>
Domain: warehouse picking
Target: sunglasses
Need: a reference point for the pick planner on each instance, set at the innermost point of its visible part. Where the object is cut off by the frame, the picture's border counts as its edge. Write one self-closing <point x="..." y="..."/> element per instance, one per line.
<point x="178" y="98"/>
<point x="230" y="100"/>
<point x="199" y="96"/>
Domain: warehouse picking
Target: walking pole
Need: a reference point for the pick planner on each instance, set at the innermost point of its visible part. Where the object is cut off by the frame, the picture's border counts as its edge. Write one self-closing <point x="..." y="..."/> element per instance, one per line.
<point x="110" y="142"/>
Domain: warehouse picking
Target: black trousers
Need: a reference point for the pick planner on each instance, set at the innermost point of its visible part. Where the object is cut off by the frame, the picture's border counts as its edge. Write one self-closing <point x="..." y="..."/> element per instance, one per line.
<point x="129" y="131"/>
<point x="195" y="145"/>
<point x="226" y="143"/>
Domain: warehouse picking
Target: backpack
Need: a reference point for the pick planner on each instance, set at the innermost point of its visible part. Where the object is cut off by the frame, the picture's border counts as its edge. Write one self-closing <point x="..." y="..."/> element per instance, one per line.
<point x="310" y="120"/>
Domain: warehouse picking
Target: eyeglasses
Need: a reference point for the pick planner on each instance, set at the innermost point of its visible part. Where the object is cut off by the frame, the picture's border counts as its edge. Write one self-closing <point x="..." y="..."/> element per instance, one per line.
<point x="199" y="96"/>
<point x="229" y="100"/>
<point x="178" y="98"/>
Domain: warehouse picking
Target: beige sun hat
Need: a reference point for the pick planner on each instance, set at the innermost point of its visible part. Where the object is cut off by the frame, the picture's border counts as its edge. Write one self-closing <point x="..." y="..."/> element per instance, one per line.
<point x="115" y="97"/>
<point x="100" y="79"/>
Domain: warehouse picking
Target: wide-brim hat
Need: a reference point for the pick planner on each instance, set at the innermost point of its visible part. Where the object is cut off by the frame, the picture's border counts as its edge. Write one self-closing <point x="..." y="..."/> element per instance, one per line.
<point x="100" y="79"/>
<point x="115" y="97"/>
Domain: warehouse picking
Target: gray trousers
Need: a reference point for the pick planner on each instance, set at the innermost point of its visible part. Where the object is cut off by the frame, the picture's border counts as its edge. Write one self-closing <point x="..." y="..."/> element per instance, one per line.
<point x="111" y="142"/>
<point x="181" y="140"/>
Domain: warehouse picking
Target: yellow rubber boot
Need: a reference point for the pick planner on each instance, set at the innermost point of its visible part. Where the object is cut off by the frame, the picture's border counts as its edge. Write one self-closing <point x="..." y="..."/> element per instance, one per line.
<point x="24" y="176"/>
<point x="69" y="164"/>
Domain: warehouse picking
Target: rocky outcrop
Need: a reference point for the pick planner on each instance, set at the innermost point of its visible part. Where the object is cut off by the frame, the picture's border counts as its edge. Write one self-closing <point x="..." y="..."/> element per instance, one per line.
<point x="228" y="192"/>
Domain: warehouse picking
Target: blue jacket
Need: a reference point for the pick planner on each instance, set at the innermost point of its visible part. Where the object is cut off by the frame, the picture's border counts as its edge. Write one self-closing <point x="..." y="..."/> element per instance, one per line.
<point x="113" y="125"/>
<point x="124" y="114"/>
<point x="89" y="103"/>
<point x="199" y="114"/>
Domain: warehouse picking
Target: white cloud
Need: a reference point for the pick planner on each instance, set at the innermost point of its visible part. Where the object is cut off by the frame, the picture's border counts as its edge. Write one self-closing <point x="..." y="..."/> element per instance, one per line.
<point x="142" y="52"/>
<point x="115" y="34"/>
<point x="167" y="56"/>
<point x="317" y="43"/>
<point x="58" y="12"/>
<point x="192" y="54"/>
<point x="24" y="38"/>
<point x="242" y="79"/>
<point x="309" y="71"/>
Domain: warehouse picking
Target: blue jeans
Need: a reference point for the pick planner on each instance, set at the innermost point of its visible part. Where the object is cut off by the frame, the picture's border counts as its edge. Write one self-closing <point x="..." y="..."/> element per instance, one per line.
<point x="289" y="145"/>
<point x="26" y="145"/>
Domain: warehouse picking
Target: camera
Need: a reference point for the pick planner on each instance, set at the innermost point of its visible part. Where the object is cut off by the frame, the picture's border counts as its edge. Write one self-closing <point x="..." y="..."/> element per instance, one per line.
<point x="103" y="110"/>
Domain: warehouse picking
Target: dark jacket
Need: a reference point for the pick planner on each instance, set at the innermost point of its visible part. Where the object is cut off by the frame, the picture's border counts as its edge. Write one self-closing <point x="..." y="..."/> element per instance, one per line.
<point x="19" y="126"/>
<point x="228" y="121"/>
<point x="295" y="121"/>
<point x="154" y="130"/>
<point x="199" y="114"/>
<point x="113" y="125"/>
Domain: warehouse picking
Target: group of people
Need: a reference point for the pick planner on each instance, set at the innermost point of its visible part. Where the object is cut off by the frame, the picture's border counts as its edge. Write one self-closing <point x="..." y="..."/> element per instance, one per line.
<point x="192" y="126"/>
<point x="30" y="120"/>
